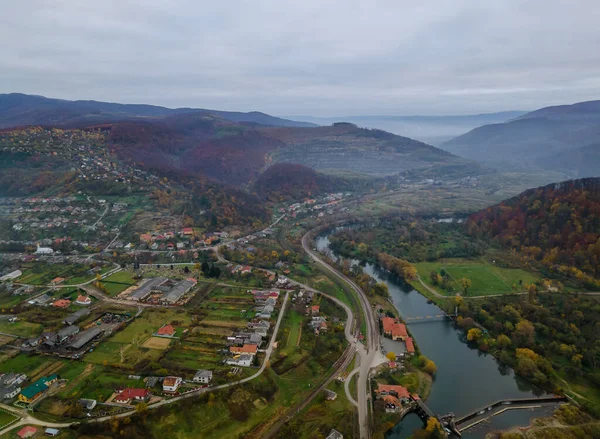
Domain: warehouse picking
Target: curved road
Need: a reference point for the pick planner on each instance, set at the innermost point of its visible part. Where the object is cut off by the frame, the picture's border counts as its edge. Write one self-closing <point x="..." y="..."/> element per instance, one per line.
<point x="369" y="358"/>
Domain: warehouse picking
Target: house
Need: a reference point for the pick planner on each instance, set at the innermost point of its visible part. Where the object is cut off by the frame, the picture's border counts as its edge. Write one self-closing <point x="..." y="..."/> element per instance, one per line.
<point x="10" y="392"/>
<point x="61" y="303"/>
<point x="146" y="237"/>
<point x="171" y="384"/>
<point x="410" y="346"/>
<point x="334" y="434"/>
<point x="87" y="404"/>
<point x="36" y="389"/>
<point x="51" y="432"/>
<point x="249" y="349"/>
<point x="314" y="310"/>
<point x="394" y="329"/>
<point x="203" y="376"/>
<point x="330" y="395"/>
<point x="399" y="392"/>
<point x="244" y="360"/>
<point x="28" y="431"/>
<point x="188" y="231"/>
<point x="57" y="281"/>
<point x="166" y="331"/>
<point x="44" y="251"/>
<point x="129" y="394"/>
<point x="83" y="300"/>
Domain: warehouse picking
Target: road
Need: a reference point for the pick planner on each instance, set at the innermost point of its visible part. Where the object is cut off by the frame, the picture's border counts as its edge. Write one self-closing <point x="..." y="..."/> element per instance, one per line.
<point x="369" y="357"/>
<point x="28" y="419"/>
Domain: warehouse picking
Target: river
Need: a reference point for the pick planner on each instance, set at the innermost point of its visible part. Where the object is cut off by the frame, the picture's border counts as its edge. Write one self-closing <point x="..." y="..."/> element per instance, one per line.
<point x="466" y="379"/>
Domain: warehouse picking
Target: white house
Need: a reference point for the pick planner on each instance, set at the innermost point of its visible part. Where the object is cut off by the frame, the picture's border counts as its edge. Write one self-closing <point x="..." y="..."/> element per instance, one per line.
<point x="203" y="376"/>
<point x="83" y="300"/>
<point x="243" y="361"/>
<point x="171" y="384"/>
<point x="44" y="251"/>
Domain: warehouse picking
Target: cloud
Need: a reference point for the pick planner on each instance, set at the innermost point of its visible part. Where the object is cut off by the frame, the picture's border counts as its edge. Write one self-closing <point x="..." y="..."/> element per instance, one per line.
<point x="338" y="57"/>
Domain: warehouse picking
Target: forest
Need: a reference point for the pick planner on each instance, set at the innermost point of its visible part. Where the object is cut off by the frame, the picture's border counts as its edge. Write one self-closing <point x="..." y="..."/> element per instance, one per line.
<point x="556" y="227"/>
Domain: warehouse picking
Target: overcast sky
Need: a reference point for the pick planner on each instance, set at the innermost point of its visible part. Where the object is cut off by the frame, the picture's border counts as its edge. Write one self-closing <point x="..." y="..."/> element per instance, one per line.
<point x="317" y="57"/>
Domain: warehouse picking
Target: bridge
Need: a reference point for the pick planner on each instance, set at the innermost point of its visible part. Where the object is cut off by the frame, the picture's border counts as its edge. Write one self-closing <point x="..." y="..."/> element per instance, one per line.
<point x="430" y="318"/>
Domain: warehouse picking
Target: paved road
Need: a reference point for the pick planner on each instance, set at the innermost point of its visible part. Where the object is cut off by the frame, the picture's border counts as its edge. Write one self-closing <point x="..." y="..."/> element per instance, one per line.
<point x="371" y="356"/>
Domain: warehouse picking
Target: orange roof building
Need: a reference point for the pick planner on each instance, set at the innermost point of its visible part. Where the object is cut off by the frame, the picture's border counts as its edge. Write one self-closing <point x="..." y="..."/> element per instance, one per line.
<point x="246" y="349"/>
<point x="57" y="280"/>
<point x="146" y="237"/>
<point x="62" y="303"/>
<point x="167" y="330"/>
<point x="394" y="329"/>
<point x="315" y="309"/>
<point x="410" y="346"/>
<point x="28" y="431"/>
<point x="395" y="391"/>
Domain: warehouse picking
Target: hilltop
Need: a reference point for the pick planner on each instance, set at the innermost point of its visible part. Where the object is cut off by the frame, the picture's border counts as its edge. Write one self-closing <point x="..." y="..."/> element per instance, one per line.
<point x="18" y="109"/>
<point x="538" y="138"/>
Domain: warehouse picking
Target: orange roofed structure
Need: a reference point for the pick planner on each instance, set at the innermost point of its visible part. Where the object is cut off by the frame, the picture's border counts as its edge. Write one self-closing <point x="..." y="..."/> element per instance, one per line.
<point x="394" y="329"/>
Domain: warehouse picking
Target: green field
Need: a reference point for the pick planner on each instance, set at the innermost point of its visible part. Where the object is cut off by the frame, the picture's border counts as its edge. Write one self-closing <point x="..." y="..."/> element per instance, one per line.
<point x="118" y="282"/>
<point x="21" y="328"/>
<point x="486" y="277"/>
<point x="6" y="417"/>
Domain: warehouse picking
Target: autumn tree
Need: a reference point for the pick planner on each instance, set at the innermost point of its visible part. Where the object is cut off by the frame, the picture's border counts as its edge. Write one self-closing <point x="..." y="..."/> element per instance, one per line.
<point x="465" y="284"/>
<point x="391" y="356"/>
<point x="474" y="334"/>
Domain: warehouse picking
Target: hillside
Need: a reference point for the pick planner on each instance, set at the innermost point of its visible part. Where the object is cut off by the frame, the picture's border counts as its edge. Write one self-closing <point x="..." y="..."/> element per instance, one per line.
<point x="557" y="226"/>
<point x="18" y="109"/>
<point x="346" y="147"/>
<point x="581" y="162"/>
<point x="542" y="133"/>
<point x="288" y="181"/>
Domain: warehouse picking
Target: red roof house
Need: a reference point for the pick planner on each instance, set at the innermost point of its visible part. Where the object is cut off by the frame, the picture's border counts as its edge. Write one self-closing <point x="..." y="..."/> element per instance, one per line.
<point x="396" y="391"/>
<point x="62" y="303"/>
<point x="246" y="349"/>
<point x="28" y="431"/>
<point x="167" y="330"/>
<point x="188" y="231"/>
<point x="314" y="309"/>
<point x="394" y="329"/>
<point x="127" y="395"/>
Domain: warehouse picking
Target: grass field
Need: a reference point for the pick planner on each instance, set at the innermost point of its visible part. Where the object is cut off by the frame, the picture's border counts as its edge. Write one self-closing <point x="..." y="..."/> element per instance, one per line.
<point x="118" y="282"/>
<point x="6" y="417"/>
<point x="486" y="278"/>
<point x="21" y="328"/>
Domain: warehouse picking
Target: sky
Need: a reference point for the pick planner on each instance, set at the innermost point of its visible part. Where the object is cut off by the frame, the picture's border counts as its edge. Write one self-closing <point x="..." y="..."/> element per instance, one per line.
<point x="308" y="57"/>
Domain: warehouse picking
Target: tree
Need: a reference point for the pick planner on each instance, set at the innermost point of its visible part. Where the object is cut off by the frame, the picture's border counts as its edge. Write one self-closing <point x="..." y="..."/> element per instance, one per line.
<point x="391" y="356"/>
<point x="531" y="290"/>
<point x="525" y="331"/>
<point x="474" y="334"/>
<point x="239" y="404"/>
<point x="381" y="289"/>
<point x="465" y="284"/>
<point x="503" y="341"/>
<point x="430" y="367"/>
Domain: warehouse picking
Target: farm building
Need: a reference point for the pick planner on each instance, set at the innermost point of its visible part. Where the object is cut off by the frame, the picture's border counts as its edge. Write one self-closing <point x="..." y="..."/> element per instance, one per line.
<point x="147" y="287"/>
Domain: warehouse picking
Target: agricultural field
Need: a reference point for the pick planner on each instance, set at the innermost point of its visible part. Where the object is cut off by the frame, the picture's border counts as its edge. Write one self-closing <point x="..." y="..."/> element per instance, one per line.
<point x="6" y="417"/>
<point x="486" y="277"/>
<point x="38" y="273"/>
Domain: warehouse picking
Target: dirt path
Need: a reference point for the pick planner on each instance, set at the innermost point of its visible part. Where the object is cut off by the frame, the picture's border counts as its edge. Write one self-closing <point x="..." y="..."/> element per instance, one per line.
<point x="299" y="337"/>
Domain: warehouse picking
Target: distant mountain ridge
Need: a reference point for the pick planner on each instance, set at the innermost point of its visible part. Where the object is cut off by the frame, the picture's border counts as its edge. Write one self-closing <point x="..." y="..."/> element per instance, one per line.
<point x="18" y="109"/>
<point x="541" y="138"/>
<point x="428" y="129"/>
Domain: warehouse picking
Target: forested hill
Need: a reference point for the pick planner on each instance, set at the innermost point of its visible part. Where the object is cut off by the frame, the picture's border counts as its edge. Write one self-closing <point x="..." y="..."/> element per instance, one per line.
<point x="17" y="109"/>
<point x="557" y="225"/>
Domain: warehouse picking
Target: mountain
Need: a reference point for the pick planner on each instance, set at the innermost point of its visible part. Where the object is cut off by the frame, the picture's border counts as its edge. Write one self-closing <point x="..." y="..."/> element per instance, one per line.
<point x="429" y="129"/>
<point x="557" y="226"/>
<point x="534" y="138"/>
<point x="18" y="109"/>
<point x="580" y="162"/>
